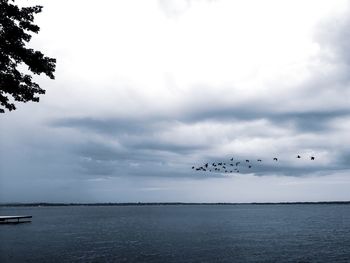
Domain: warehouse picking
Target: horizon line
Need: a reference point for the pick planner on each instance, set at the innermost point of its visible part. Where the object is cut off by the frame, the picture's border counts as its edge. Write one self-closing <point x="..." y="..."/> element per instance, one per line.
<point x="19" y="204"/>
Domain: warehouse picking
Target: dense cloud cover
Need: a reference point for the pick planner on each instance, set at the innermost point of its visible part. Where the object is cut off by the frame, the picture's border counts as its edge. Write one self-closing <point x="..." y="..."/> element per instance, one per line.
<point x="149" y="88"/>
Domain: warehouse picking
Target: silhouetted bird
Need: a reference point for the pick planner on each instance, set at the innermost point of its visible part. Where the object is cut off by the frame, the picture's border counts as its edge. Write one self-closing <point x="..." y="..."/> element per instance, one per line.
<point x="225" y="168"/>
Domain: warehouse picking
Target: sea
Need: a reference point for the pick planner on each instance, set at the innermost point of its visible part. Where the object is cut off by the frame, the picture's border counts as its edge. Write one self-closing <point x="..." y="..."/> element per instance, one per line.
<point x="178" y="233"/>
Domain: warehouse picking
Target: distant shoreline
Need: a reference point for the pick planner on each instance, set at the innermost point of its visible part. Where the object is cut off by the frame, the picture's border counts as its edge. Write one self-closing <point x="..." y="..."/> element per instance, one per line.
<point x="167" y="204"/>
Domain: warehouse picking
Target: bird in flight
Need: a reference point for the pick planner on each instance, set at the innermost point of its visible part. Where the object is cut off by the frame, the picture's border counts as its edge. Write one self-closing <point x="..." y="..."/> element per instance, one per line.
<point x="214" y="167"/>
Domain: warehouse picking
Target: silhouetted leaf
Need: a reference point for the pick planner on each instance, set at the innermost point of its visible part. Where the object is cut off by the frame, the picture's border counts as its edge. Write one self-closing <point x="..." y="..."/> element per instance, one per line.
<point x="16" y="24"/>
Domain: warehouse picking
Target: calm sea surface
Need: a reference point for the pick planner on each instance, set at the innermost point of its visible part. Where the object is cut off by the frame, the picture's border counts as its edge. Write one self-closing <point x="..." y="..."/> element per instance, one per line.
<point x="196" y="233"/>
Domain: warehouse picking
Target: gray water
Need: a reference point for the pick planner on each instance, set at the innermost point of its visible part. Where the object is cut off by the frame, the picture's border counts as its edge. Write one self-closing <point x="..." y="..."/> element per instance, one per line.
<point x="196" y="233"/>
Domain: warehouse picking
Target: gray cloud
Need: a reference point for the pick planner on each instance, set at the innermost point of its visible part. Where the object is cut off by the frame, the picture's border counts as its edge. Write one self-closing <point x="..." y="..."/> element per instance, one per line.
<point x="104" y="126"/>
<point x="315" y="121"/>
<point x="303" y="117"/>
<point x="146" y="147"/>
<point x="333" y="35"/>
<point x="157" y="131"/>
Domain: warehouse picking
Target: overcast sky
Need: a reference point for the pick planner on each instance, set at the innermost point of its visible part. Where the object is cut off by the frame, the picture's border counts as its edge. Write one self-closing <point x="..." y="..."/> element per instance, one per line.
<point x="146" y="89"/>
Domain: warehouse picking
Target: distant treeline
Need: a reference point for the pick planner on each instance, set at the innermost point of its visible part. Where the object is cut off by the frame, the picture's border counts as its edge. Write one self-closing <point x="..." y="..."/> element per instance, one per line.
<point x="167" y="203"/>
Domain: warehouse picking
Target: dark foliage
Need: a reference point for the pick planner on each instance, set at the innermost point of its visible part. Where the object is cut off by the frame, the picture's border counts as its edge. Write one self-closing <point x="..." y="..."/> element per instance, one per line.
<point x="16" y="24"/>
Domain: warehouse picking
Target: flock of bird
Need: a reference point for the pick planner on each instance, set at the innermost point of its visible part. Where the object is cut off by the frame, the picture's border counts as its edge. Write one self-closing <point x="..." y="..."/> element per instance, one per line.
<point x="232" y="166"/>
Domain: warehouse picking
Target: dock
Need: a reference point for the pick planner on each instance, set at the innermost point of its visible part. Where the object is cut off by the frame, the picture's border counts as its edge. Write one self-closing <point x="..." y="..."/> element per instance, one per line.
<point x="15" y="219"/>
